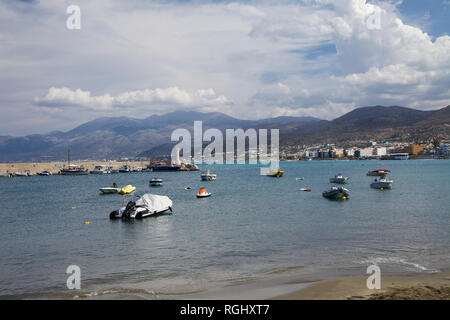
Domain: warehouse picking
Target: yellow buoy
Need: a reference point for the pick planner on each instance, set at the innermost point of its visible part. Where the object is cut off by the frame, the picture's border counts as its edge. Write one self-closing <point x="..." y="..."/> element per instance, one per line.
<point x="87" y="222"/>
<point x="73" y="208"/>
<point x="343" y="198"/>
<point x="381" y="188"/>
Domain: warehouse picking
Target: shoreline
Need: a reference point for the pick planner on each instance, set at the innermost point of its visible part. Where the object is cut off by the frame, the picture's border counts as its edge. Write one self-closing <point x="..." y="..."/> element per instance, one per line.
<point x="409" y="287"/>
<point x="416" y="286"/>
<point x="56" y="166"/>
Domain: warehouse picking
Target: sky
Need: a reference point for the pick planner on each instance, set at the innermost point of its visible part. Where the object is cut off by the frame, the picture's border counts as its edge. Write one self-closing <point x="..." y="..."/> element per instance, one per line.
<point x="248" y="59"/>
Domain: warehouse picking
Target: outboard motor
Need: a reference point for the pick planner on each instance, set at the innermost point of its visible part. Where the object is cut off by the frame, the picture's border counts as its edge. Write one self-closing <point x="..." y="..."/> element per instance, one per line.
<point x="129" y="210"/>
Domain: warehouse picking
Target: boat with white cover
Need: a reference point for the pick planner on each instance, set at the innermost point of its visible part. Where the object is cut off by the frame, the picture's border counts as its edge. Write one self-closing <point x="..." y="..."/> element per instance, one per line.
<point x="146" y="206"/>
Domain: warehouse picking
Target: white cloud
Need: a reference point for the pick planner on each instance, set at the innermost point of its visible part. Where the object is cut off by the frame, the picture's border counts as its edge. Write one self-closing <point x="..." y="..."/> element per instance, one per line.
<point x="245" y="10"/>
<point x="64" y="97"/>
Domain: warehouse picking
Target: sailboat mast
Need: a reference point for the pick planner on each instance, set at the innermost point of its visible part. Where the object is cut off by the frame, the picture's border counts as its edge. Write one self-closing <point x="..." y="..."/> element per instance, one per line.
<point x="68" y="157"/>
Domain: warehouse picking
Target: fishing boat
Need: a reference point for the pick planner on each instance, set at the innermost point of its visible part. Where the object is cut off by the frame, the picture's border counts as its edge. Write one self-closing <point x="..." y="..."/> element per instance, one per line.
<point x="207" y="176"/>
<point x="127" y="190"/>
<point x="275" y="173"/>
<point x="73" y="169"/>
<point x="381" y="183"/>
<point x="100" y="170"/>
<point x="339" y="178"/>
<point x="336" y="193"/>
<point x="378" y="172"/>
<point x="109" y="190"/>
<point x="44" y="173"/>
<point x="156" y="182"/>
<point x="203" y="193"/>
<point x="146" y="206"/>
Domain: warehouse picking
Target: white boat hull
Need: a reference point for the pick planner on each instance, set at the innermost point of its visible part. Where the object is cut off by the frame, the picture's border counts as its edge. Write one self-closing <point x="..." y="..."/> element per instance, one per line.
<point x="203" y="195"/>
<point x="381" y="184"/>
<point x="109" y="190"/>
<point x="208" y="177"/>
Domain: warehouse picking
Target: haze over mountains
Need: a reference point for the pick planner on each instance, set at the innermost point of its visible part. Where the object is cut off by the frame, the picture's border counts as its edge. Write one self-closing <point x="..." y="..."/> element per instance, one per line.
<point x="110" y="138"/>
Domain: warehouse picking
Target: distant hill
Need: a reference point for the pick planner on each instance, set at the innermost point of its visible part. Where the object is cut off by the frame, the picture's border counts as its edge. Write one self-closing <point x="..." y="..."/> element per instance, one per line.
<point x="114" y="137"/>
<point x="375" y="123"/>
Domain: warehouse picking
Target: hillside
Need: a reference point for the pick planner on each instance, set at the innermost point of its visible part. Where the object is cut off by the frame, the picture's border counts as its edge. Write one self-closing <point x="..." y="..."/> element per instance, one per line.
<point x="114" y="137"/>
<point x="376" y="123"/>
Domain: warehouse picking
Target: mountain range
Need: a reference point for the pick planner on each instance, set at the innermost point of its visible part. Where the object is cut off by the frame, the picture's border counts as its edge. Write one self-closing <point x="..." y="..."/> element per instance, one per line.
<point x="114" y="137"/>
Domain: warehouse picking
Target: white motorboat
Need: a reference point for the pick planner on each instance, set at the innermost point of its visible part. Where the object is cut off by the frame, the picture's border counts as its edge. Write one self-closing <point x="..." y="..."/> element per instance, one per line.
<point x="109" y="190"/>
<point x="339" y="178"/>
<point x="124" y="168"/>
<point x="146" y="206"/>
<point x="381" y="183"/>
<point x="44" y="173"/>
<point x="156" y="182"/>
<point x="207" y="176"/>
<point x="21" y="174"/>
<point x="100" y="170"/>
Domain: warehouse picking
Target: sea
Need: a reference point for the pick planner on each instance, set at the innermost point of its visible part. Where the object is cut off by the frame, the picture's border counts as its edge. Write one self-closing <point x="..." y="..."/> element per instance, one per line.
<point x="251" y="229"/>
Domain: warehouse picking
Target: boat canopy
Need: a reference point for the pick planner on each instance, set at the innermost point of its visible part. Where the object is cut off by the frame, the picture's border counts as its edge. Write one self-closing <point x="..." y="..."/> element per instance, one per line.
<point x="154" y="203"/>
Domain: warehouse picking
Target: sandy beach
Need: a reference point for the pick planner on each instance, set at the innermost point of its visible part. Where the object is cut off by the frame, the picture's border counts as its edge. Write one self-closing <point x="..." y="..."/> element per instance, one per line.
<point x="423" y="287"/>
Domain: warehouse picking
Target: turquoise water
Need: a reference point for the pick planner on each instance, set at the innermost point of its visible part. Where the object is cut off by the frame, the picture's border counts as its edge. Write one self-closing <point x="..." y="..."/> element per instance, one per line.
<point x="252" y="227"/>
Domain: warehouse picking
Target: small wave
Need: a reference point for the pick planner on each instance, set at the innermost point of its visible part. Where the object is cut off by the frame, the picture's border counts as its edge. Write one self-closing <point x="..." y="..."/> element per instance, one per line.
<point x="395" y="260"/>
<point x="286" y="269"/>
<point x="117" y="291"/>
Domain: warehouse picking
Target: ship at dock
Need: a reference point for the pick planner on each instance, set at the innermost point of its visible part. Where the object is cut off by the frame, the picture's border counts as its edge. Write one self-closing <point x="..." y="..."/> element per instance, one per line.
<point x="73" y="169"/>
<point x="162" y="166"/>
